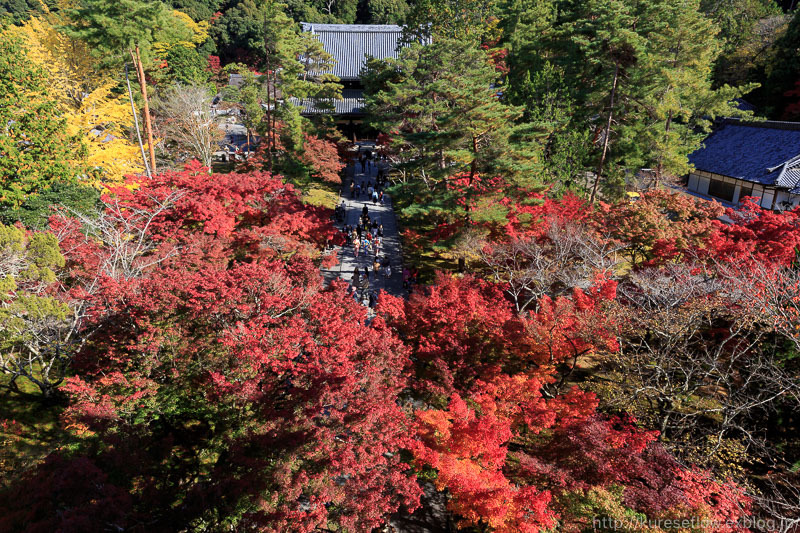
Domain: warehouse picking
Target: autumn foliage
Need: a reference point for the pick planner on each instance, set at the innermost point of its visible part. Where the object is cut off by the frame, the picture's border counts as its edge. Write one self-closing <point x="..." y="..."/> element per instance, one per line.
<point x="218" y="353"/>
<point x="222" y="383"/>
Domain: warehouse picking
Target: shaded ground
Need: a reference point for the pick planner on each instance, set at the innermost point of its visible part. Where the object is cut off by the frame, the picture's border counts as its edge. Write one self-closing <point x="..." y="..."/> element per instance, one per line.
<point x="29" y="431"/>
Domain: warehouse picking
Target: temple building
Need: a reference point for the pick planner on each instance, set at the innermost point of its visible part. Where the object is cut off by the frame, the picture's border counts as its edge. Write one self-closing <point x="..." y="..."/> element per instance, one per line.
<point x="350" y="45"/>
<point x="743" y="158"/>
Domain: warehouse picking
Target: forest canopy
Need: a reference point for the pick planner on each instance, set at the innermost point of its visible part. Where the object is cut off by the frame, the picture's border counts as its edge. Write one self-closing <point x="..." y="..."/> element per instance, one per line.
<point x="481" y="298"/>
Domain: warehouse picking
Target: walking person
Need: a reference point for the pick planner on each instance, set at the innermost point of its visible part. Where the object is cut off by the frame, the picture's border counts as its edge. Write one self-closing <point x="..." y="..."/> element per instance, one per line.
<point x="376" y="267"/>
<point x="385" y="264"/>
<point x="380" y="197"/>
<point x="356" y="277"/>
<point x="356" y="246"/>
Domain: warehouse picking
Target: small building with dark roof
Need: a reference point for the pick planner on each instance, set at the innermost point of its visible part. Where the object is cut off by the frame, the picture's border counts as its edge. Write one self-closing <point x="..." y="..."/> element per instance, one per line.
<point x="351" y="45"/>
<point x="747" y="158"/>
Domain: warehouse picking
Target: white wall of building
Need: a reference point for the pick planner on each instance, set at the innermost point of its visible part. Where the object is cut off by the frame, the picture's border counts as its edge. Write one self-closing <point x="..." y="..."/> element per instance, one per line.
<point x="699" y="182"/>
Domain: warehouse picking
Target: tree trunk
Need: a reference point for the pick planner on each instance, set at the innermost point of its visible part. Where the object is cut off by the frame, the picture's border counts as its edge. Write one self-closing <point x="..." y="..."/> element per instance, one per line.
<point x="148" y="125"/>
<point x="660" y="167"/>
<point x="274" y="109"/>
<point x="267" y="57"/>
<point x="136" y="123"/>
<point x="608" y="134"/>
<point x="473" y="170"/>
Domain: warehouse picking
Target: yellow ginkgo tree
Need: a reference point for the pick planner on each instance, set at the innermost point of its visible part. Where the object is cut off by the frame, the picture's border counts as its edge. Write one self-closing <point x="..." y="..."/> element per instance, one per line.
<point x="93" y="110"/>
<point x="102" y="121"/>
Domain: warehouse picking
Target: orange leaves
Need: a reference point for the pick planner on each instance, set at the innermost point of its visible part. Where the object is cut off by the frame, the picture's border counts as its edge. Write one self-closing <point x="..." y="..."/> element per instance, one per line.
<point x="468" y="450"/>
<point x="661" y="225"/>
<point x="323" y="157"/>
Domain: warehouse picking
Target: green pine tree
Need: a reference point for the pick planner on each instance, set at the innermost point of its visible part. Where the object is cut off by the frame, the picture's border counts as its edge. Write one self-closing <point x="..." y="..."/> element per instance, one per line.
<point x="295" y="68"/>
<point x="675" y="95"/>
<point x="451" y="128"/>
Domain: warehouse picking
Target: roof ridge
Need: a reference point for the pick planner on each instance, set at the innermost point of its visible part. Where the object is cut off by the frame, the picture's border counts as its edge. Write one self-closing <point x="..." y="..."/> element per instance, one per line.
<point x="769" y="124"/>
<point x="351" y="28"/>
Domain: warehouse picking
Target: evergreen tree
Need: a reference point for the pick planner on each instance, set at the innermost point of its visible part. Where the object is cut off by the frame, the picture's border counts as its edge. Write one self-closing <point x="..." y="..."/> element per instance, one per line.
<point x="474" y="20"/>
<point x="783" y="72"/>
<point x="608" y="49"/>
<point x="549" y="111"/>
<point x="736" y="19"/>
<point x="197" y="9"/>
<point x="635" y="76"/>
<point x="673" y="77"/>
<point x="186" y="65"/>
<point x="537" y="81"/>
<point x="294" y="65"/>
<point x="449" y="125"/>
<point x="382" y="11"/>
<point x="527" y="31"/>
<point x="37" y="154"/>
<point x="19" y="10"/>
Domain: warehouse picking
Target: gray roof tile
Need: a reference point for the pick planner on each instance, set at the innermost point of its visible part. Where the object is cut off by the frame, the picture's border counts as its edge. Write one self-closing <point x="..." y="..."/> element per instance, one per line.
<point x="350" y="44"/>
<point x="759" y="152"/>
<point x="352" y="103"/>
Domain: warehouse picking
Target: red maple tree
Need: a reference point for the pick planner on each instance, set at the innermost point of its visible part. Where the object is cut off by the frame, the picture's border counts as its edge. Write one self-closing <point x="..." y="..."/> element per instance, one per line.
<point x="219" y="369"/>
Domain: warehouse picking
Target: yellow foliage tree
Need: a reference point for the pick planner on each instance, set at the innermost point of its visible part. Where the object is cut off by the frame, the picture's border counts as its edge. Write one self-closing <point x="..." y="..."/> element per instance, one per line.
<point x="67" y="62"/>
<point x="87" y="99"/>
<point x="102" y="119"/>
<point x="184" y="32"/>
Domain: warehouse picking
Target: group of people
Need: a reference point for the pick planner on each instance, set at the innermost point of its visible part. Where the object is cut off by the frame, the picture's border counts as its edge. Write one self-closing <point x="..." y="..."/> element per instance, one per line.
<point x="368" y="158"/>
<point x="366" y="237"/>
<point x="372" y="192"/>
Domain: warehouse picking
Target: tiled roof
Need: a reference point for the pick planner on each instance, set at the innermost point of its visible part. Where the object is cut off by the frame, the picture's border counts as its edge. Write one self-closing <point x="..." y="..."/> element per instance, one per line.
<point x="352" y="103"/>
<point x="765" y="152"/>
<point x="744" y="105"/>
<point x="350" y="44"/>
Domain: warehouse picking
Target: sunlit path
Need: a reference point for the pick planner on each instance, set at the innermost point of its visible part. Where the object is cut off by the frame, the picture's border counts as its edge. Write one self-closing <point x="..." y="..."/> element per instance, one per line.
<point x="390" y="248"/>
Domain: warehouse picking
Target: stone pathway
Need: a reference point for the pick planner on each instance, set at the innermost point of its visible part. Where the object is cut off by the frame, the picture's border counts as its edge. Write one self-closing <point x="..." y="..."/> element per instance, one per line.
<point x="390" y="247"/>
